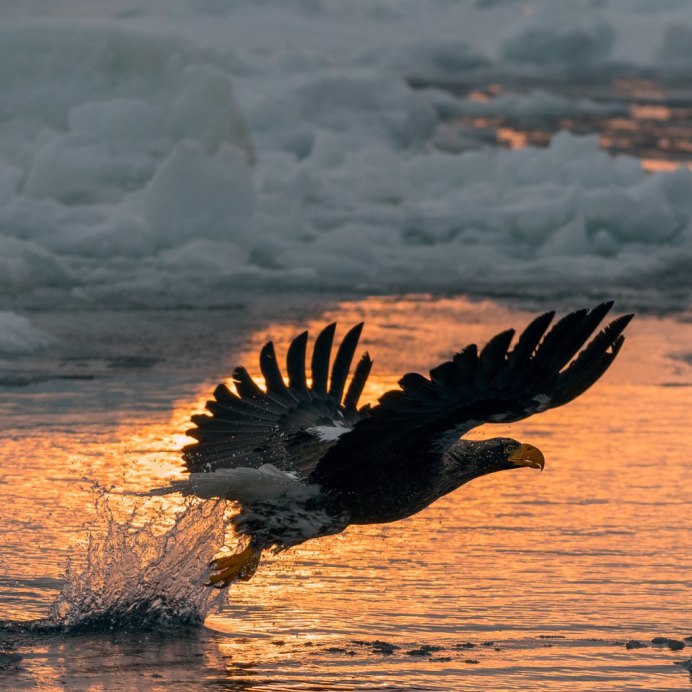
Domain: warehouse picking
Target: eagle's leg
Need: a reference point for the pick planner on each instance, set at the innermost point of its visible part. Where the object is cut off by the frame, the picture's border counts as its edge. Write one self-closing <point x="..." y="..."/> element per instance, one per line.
<point x="241" y="566"/>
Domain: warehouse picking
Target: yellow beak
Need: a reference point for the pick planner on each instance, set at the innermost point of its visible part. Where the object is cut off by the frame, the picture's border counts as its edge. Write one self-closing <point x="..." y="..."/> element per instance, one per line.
<point x="527" y="455"/>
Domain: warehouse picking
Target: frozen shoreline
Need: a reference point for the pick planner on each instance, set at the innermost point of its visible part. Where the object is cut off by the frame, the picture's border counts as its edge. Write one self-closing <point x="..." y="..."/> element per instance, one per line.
<point x="170" y="159"/>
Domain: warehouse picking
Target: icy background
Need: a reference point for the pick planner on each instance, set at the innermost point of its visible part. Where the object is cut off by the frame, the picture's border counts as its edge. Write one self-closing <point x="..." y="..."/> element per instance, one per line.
<point x="181" y="180"/>
<point x="171" y="153"/>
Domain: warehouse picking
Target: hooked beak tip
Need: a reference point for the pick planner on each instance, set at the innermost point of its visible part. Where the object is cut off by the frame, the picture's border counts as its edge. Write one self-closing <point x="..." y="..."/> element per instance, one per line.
<point x="527" y="455"/>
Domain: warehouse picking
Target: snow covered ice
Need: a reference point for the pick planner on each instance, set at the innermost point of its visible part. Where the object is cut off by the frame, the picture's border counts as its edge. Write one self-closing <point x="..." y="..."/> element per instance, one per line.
<point x="19" y="336"/>
<point x="164" y="150"/>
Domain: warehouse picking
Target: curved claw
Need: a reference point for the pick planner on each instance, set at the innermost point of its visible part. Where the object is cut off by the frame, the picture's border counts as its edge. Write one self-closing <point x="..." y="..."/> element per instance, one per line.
<point x="240" y="566"/>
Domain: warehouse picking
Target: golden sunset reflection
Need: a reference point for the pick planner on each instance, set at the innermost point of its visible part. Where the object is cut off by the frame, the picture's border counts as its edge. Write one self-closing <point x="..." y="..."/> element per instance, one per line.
<point x="560" y="543"/>
<point x="514" y="139"/>
<point x="595" y="547"/>
<point x="650" y="111"/>
<point x="658" y="165"/>
<point x="651" y="124"/>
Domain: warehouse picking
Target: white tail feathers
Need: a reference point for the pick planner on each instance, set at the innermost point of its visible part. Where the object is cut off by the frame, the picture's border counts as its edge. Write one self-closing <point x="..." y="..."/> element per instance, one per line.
<point x="242" y="484"/>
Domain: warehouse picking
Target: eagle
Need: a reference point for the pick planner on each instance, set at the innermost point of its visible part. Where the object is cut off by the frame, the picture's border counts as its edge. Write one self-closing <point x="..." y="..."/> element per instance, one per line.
<point x="303" y="460"/>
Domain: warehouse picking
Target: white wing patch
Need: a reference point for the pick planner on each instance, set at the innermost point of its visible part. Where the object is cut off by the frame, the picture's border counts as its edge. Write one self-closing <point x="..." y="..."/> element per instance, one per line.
<point x="328" y="433"/>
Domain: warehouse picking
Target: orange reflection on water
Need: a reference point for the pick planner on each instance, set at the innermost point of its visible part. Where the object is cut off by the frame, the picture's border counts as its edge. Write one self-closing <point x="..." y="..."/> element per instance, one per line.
<point x="660" y="165"/>
<point x="650" y="111"/>
<point x="576" y="534"/>
<point x="643" y="89"/>
<point x="596" y="546"/>
<point x="511" y="137"/>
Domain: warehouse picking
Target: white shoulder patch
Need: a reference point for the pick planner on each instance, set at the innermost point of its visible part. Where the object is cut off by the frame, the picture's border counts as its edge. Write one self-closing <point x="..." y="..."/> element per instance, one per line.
<point x="328" y="433"/>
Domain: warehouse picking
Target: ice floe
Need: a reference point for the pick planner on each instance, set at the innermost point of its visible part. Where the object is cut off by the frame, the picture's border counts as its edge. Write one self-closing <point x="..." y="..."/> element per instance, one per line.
<point x="258" y="144"/>
<point x="18" y="335"/>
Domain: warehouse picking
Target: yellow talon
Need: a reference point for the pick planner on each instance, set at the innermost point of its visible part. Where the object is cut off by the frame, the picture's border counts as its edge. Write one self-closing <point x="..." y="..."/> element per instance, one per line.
<point x="241" y="566"/>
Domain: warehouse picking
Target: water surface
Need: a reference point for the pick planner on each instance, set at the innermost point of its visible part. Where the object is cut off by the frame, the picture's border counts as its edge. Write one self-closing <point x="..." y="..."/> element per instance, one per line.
<point x="516" y="581"/>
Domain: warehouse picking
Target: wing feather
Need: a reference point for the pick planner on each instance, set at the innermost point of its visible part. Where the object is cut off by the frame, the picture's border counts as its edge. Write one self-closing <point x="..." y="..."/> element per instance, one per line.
<point x="497" y="386"/>
<point x="320" y="359"/>
<point x="492" y="358"/>
<point x="295" y="363"/>
<point x="280" y="423"/>
<point x="360" y="377"/>
<point x="271" y="372"/>
<point x="521" y="354"/>
<point x="342" y="362"/>
<point x="246" y="386"/>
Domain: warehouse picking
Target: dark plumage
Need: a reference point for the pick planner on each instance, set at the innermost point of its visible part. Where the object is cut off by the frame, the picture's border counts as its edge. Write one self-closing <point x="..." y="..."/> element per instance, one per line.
<point x="304" y="461"/>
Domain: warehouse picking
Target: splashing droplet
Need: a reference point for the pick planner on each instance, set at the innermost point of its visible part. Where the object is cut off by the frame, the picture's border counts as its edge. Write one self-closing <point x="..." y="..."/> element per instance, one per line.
<point x="135" y="575"/>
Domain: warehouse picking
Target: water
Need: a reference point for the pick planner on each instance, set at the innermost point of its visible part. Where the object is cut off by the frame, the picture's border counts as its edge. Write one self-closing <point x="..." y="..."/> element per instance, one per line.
<point x="652" y="121"/>
<point x="523" y="580"/>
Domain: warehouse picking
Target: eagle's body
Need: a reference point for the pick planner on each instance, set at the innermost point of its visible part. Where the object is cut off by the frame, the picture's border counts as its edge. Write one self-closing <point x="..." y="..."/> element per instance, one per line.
<point x="303" y="460"/>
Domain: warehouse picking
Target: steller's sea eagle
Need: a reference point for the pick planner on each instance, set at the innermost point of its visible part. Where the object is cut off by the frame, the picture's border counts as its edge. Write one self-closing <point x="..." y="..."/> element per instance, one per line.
<point x="303" y="460"/>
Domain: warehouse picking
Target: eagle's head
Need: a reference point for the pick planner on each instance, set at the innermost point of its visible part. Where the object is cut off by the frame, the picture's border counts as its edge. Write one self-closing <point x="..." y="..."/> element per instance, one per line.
<point x="468" y="460"/>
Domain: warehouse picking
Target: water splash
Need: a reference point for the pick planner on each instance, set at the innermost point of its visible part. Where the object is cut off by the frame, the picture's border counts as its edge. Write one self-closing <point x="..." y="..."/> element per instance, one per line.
<point x="136" y="575"/>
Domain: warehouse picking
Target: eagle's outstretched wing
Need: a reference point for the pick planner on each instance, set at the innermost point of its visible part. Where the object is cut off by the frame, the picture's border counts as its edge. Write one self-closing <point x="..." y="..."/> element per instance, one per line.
<point x="289" y="425"/>
<point x="497" y="385"/>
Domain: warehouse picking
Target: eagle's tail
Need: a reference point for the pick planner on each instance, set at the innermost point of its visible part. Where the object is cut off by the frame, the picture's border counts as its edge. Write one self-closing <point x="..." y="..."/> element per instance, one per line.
<point x="246" y="485"/>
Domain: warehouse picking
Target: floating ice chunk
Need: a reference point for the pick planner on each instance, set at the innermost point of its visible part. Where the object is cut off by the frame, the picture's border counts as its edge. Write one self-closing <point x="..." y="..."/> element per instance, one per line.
<point x="197" y="195"/>
<point x="10" y="178"/>
<point x="79" y="169"/>
<point x="205" y="256"/>
<point x="604" y="243"/>
<point x="579" y="41"/>
<point x="112" y="148"/>
<point x="365" y="102"/>
<point x="349" y="169"/>
<point x="73" y="63"/>
<point x="435" y="60"/>
<point x="120" y="122"/>
<point x="536" y="105"/>
<point x="569" y="239"/>
<point x="118" y="170"/>
<point x="24" y="264"/>
<point x="18" y="335"/>
<point x="122" y="233"/>
<point x="207" y="112"/>
<point x="541" y="211"/>
<point x="640" y="213"/>
<point x="676" y="48"/>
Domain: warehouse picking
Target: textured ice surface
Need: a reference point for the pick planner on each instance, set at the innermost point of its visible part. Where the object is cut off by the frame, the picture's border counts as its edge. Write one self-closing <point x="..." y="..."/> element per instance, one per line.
<point x="18" y="335"/>
<point x="172" y="153"/>
<point x="534" y="106"/>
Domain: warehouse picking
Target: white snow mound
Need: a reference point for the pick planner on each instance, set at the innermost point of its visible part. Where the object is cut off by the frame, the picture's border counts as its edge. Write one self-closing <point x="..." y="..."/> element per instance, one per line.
<point x="18" y="335"/>
<point x="164" y="154"/>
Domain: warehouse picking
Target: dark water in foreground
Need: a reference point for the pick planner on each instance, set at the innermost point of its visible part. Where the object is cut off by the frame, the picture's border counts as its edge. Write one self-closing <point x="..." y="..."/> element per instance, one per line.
<point x="517" y="581"/>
